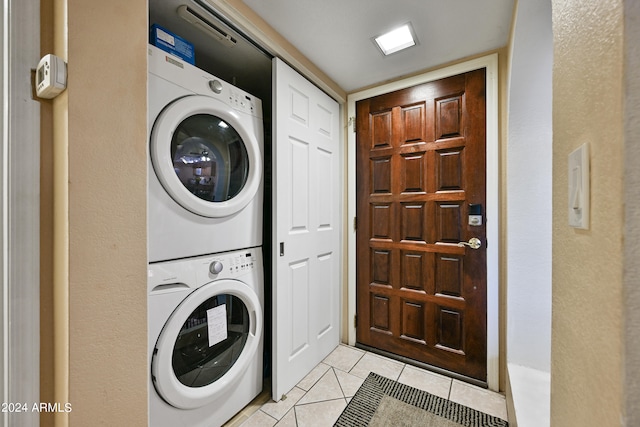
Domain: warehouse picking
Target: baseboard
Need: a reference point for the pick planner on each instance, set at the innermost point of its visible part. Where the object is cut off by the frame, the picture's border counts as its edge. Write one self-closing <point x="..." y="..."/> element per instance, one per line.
<point x="528" y="396"/>
<point x="511" y="409"/>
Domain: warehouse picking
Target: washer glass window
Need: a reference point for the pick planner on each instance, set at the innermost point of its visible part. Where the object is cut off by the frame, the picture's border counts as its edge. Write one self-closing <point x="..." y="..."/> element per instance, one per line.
<point x="211" y="340"/>
<point x="209" y="158"/>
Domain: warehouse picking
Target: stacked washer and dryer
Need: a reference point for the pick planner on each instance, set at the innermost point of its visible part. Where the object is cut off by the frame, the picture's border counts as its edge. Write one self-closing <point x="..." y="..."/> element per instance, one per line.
<point x="206" y="285"/>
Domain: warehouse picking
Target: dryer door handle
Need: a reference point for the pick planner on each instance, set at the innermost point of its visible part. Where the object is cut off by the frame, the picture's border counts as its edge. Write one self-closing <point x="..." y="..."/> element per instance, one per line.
<point x="281" y="248"/>
<point x="254" y="318"/>
<point x="169" y="287"/>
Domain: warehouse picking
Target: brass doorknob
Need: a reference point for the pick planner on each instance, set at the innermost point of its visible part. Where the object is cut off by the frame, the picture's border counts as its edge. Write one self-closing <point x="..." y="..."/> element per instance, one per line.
<point x="473" y="243"/>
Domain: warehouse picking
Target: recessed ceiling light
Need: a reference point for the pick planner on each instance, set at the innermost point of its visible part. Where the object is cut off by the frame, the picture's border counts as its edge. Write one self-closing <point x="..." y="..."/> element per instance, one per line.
<point x="396" y="40"/>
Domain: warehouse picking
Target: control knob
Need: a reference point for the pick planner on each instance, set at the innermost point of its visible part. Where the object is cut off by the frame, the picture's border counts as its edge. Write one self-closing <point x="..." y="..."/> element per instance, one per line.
<point x="215" y="267"/>
<point x="215" y="86"/>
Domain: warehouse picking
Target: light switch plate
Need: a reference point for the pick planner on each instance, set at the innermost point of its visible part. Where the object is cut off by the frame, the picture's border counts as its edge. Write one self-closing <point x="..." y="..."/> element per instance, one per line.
<point x="579" y="187"/>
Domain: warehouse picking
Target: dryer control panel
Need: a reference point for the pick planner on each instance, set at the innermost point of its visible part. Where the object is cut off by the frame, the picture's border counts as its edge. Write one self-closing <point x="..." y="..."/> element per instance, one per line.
<point x="242" y="101"/>
<point x="197" y="81"/>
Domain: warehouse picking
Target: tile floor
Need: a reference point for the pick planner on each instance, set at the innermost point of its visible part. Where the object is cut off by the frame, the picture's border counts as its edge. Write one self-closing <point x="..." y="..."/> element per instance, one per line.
<point x="319" y="399"/>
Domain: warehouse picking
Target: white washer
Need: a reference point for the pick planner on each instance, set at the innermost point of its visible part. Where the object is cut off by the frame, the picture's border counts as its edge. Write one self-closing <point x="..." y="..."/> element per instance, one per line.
<point x="205" y="338"/>
<point x="205" y="179"/>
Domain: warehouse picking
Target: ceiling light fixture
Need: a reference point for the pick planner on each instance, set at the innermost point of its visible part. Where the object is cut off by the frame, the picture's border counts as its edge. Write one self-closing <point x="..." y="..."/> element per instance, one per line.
<point x="396" y="40"/>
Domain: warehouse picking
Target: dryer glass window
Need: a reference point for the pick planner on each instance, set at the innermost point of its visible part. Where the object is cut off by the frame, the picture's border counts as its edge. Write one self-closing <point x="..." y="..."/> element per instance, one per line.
<point x="209" y="158"/>
<point x="211" y="340"/>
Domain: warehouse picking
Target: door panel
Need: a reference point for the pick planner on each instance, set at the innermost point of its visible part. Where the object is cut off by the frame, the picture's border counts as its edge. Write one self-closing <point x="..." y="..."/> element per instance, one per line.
<point x="420" y="161"/>
<point x="306" y="283"/>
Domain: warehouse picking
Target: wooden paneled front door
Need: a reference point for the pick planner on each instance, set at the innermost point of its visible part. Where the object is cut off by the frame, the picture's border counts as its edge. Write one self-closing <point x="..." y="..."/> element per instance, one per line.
<point x="420" y="192"/>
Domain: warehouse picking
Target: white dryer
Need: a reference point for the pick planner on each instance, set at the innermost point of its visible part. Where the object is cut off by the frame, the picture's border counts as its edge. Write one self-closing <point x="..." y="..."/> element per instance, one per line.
<point x="205" y="180"/>
<point x="205" y="338"/>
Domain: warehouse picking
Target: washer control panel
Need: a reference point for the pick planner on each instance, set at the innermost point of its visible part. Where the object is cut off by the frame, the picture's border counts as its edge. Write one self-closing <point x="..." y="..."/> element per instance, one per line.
<point x="232" y="264"/>
<point x="244" y="265"/>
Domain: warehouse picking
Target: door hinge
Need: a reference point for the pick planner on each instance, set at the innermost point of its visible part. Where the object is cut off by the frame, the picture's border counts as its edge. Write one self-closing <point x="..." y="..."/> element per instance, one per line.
<point x="355" y="320"/>
<point x="355" y="222"/>
<point x="352" y="122"/>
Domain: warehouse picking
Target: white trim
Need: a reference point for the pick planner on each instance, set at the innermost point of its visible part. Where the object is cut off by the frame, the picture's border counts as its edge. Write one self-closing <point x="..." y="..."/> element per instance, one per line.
<point x="490" y="62"/>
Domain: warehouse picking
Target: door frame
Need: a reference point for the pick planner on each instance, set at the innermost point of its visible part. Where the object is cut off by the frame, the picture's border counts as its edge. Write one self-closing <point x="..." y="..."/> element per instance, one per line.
<point x="490" y="62"/>
<point x="20" y="212"/>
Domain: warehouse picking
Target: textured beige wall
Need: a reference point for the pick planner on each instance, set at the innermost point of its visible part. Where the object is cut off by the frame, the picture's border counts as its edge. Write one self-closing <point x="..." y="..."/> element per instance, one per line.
<point x="586" y="371"/>
<point x="107" y="121"/>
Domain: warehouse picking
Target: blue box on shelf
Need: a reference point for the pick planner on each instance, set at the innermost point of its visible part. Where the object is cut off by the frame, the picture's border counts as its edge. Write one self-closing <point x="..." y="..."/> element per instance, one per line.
<point x="169" y="42"/>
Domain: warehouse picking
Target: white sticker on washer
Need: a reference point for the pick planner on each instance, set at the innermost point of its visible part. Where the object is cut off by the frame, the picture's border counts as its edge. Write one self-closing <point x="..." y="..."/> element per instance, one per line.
<point x="217" y="323"/>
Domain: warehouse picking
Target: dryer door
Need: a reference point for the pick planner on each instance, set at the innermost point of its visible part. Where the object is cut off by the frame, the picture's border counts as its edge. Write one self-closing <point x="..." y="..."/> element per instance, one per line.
<point x="204" y="156"/>
<point x="207" y="344"/>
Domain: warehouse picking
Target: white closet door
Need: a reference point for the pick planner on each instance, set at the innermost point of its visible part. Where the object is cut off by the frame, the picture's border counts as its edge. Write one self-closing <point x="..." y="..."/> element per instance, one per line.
<point x="307" y="201"/>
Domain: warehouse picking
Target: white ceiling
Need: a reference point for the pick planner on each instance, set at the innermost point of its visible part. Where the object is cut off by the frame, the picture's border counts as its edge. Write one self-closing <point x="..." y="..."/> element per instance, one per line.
<point x="337" y="34"/>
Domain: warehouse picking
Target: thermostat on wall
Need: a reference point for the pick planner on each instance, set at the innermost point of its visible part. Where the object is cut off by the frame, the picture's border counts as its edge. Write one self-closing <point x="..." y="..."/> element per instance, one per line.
<point x="51" y="76"/>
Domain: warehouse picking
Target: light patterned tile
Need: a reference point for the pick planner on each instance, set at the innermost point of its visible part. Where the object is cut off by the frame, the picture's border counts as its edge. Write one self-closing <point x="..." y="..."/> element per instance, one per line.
<point x="259" y="419"/>
<point x="349" y="383"/>
<point x="478" y="398"/>
<point x="380" y="365"/>
<point x="430" y="382"/>
<point x="344" y="357"/>
<point x="327" y="388"/>
<point x="321" y="414"/>
<point x="307" y="382"/>
<point x="289" y="420"/>
<point x="278" y="409"/>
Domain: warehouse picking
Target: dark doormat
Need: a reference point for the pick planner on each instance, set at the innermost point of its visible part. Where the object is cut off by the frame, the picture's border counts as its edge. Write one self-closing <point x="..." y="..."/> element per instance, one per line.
<point x="382" y="402"/>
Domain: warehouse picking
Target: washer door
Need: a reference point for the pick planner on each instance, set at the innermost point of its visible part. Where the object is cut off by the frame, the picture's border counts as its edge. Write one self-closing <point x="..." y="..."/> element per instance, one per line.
<point x="207" y="344"/>
<point x="204" y="157"/>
